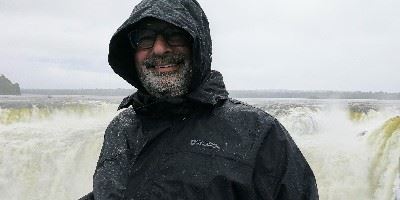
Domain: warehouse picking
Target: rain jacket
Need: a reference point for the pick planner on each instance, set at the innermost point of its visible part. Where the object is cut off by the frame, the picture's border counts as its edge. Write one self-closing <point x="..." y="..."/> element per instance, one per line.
<point x="204" y="145"/>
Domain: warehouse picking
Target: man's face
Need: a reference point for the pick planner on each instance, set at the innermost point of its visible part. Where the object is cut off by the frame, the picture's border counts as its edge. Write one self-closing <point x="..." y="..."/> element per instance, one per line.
<point x="162" y="58"/>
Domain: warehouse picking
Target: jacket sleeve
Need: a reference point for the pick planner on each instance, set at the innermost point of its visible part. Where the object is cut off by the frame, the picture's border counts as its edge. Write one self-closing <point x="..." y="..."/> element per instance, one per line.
<point x="112" y="171"/>
<point x="281" y="171"/>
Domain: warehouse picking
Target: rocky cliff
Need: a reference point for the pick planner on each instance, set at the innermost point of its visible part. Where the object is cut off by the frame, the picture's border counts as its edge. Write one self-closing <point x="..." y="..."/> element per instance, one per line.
<point x="7" y="87"/>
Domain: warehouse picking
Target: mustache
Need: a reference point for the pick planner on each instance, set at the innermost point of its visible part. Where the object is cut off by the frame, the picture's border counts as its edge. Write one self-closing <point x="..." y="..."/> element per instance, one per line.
<point x="155" y="60"/>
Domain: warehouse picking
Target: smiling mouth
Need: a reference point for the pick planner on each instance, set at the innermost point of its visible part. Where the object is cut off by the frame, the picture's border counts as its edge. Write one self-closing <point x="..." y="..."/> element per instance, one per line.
<point x="166" y="68"/>
<point x="161" y="67"/>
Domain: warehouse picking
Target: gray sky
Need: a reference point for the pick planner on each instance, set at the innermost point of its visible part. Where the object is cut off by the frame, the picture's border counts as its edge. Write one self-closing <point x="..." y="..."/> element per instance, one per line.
<point x="277" y="44"/>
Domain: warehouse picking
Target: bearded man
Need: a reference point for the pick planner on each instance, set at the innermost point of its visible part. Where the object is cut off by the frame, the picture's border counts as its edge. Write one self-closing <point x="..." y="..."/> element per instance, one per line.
<point x="180" y="136"/>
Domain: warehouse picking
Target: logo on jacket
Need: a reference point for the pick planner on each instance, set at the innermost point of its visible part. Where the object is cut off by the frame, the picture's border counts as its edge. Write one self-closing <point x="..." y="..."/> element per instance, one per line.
<point x="204" y="144"/>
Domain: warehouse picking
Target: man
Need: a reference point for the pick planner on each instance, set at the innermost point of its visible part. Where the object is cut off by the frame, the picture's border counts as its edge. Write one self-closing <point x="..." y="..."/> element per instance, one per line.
<point x="180" y="136"/>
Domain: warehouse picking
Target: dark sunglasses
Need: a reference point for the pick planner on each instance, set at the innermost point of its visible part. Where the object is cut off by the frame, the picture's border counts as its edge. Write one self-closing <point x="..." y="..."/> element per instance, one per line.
<point x="145" y="38"/>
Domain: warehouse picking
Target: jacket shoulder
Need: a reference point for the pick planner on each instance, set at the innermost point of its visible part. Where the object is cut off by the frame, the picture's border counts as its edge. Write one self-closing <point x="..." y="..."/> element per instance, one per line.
<point x="117" y="134"/>
<point x="126" y="117"/>
<point x="241" y="110"/>
<point x="248" y="124"/>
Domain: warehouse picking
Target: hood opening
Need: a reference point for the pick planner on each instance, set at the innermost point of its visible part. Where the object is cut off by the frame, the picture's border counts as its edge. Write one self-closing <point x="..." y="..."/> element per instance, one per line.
<point x="186" y="14"/>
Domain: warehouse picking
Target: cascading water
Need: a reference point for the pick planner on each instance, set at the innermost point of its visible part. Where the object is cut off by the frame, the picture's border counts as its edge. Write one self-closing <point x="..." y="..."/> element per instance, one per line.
<point x="50" y="146"/>
<point x="384" y="148"/>
<point x="352" y="146"/>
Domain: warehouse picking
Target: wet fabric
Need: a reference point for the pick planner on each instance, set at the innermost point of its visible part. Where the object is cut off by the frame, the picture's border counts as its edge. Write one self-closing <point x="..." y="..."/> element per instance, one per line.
<point x="203" y="145"/>
<point x="219" y="149"/>
<point x="186" y="14"/>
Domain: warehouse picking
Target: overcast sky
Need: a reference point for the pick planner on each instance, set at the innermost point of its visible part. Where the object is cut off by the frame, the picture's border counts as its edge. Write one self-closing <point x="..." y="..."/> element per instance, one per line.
<point x="275" y="44"/>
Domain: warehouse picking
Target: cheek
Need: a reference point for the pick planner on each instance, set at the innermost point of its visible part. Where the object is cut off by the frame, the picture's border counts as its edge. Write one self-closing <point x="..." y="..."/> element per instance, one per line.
<point x="185" y="50"/>
<point x="140" y="56"/>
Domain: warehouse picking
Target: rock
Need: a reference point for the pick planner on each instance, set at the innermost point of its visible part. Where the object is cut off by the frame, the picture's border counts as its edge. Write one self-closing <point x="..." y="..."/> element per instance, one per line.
<point x="7" y="87"/>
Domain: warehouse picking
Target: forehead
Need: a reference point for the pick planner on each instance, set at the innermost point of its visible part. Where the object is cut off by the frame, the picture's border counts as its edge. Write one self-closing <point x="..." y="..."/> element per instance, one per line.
<point x="154" y="24"/>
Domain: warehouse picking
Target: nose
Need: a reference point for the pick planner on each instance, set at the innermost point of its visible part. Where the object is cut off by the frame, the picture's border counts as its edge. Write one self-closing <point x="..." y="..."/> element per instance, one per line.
<point x="161" y="46"/>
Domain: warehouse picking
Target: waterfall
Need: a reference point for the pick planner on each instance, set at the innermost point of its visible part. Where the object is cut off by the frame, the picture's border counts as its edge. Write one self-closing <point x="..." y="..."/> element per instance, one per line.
<point x="50" y="147"/>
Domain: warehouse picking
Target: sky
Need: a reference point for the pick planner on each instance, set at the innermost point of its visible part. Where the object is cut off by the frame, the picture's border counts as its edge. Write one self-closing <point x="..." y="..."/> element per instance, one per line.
<point x="346" y="45"/>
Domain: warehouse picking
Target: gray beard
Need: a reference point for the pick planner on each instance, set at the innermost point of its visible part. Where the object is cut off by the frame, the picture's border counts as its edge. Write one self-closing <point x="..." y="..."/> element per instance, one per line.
<point x="167" y="84"/>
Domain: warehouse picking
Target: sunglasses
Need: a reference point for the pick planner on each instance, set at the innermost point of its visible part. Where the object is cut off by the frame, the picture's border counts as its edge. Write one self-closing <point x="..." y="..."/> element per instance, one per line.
<point x="145" y="38"/>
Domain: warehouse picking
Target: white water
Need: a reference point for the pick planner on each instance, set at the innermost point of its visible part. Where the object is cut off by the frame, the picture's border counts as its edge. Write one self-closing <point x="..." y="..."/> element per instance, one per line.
<point x="49" y="150"/>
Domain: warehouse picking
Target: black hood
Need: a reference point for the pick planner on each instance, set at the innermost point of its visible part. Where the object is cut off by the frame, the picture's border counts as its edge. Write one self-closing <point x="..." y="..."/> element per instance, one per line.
<point x="186" y="14"/>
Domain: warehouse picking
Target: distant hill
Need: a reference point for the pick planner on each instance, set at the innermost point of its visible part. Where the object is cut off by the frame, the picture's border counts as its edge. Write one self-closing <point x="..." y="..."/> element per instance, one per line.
<point x="7" y="87"/>
<point x="314" y="94"/>
<point x="233" y="93"/>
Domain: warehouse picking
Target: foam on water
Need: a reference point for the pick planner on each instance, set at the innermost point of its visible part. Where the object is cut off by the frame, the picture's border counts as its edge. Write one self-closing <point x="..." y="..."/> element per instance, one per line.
<point x="384" y="145"/>
<point x="51" y="152"/>
<point x="345" y="143"/>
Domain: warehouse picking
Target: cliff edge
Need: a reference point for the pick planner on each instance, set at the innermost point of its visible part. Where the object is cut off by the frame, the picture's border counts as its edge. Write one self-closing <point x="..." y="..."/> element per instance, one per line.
<point x="7" y="87"/>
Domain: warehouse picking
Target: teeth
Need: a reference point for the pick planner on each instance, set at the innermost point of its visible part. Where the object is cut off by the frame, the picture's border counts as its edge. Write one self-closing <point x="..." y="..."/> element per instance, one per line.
<point x="165" y="66"/>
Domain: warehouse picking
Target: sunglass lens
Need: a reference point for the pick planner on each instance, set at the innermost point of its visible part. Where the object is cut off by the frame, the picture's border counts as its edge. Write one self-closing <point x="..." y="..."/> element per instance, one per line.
<point x="142" y="38"/>
<point x="145" y="43"/>
<point x="176" y="37"/>
<point x="177" y="40"/>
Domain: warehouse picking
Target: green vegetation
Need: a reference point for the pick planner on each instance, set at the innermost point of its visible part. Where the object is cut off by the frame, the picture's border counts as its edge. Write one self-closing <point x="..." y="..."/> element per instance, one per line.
<point x="7" y="87"/>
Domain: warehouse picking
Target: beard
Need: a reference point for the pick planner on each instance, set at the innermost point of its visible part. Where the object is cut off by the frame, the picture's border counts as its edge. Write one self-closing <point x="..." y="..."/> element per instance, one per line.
<point x="166" y="84"/>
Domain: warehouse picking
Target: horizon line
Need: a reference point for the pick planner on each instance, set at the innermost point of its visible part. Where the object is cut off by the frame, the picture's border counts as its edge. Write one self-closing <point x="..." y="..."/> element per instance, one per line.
<point x="265" y="90"/>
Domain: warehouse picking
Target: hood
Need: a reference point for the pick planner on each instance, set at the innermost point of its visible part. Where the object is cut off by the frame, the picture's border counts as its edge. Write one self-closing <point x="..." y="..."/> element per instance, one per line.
<point x="186" y="14"/>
